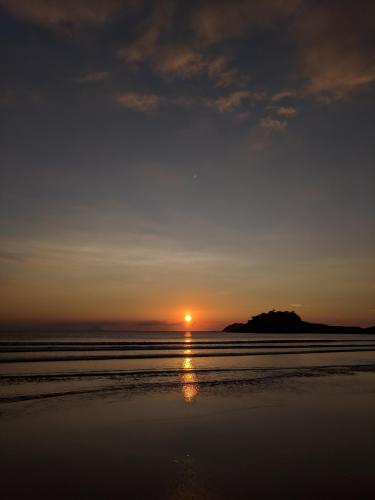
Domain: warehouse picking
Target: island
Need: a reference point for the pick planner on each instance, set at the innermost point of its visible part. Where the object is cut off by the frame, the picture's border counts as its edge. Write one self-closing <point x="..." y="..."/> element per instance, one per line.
<point x="289" y="322"/>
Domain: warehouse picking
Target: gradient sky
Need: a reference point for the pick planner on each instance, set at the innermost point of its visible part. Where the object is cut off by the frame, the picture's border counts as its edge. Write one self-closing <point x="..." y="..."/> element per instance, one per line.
<point x="160" y="156"/>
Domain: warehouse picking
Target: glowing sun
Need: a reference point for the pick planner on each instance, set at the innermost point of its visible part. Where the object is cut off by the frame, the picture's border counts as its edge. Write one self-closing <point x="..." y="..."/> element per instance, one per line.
<point x="188" y="317"/>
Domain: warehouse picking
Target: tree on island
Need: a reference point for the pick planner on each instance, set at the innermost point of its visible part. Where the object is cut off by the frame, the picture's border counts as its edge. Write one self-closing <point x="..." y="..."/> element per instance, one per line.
<point x="288" y="322"/>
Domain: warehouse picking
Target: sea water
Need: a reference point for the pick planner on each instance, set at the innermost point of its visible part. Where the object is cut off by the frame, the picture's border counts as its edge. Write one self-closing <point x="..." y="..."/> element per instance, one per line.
<point x="187" y="415"/>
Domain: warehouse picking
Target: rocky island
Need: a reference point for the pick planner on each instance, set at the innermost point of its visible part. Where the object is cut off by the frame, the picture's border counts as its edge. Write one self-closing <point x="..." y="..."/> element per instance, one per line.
<point x="289" y="322"/>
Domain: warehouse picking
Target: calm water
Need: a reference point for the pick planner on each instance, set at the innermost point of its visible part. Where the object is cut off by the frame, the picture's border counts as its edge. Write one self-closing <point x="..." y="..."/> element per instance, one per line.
<point x="187" y="415"/>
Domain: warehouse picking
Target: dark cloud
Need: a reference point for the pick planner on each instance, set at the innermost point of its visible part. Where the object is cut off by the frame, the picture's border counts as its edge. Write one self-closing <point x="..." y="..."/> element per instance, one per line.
<point x="234" y="100"/>
<point x="333" y="42"/>
<point x="329" y="48"/>
<point x="148" y="33"/>
<point x="216" y="21"/>
<point x="56" y="12"/>
<point x="284" y="94"/>
<point x="336" y="46"/>
<point x="228" y="103"/>
<point x="155" y="45"/>
<point x="273" y="123"/>
<point x="94" y="76"/>
<point x="138" y="101"/>
<point x="172" y="60"/>
<point x="286" y="111"/>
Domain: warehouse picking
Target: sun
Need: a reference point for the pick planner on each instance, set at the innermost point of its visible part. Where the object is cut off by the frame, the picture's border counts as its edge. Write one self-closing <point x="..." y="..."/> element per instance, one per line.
<point x="188" y="317"/>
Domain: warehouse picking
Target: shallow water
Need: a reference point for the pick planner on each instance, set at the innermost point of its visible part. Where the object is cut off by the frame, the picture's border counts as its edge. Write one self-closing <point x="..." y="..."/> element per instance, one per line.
<point x="187" y="415"/>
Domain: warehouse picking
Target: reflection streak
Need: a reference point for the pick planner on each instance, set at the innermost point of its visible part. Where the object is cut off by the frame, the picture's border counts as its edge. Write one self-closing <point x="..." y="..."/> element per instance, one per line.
<point x="190" y="387"/>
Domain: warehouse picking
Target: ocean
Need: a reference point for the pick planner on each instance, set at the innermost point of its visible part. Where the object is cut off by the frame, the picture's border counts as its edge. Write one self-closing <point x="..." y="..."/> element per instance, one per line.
<point x="187" y="415"/>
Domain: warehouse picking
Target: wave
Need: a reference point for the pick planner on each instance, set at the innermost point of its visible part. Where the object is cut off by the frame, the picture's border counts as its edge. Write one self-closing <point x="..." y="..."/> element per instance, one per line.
<point x="101" y="357"/>
<point x="16" y="343"/>
<point x="38" y="377"/>
<point x="169" y="347"/>
<point x="264" y="376"/>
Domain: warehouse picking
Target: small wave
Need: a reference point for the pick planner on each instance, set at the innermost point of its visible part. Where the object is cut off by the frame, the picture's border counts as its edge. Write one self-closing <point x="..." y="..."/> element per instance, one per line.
<point x="38" y="377"/>
<point x="169" y="347"/>
<point x="271" y="352"/>
<point x="15" y="343"/>
<point x="270" y="376"/>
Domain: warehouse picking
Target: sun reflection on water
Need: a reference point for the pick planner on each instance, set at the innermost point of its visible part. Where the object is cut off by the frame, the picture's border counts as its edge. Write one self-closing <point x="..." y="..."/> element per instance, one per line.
<point x="190" y="387"/>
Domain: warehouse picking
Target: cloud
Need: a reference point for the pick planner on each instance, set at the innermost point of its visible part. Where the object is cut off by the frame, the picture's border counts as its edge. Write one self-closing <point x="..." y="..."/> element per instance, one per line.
<point x="156" y="43"/>
<point x="150" y="30"/>
<point x="283" y="111"/>
<point x="333" y="40"/>
<point x="233" y="101"/>
<point x="177" y="61"/>
<point x="230" y="103"/>
<point x="262" y="135"/>
<point x="284" y="94"/>
<point x="287" y="111"/>
<point x="273" y="124"/>
<point x="335" y="71"/>
<point x="143" y="47"/>
<point x="156" y="46"/>
<point x="94" y="76"/>
<point x="336" y="53"/>
<point x="214" y="21"/>
<point x="219" y="68"/>
<point x="139" y="102"/>
<point x="56" y="12"/>
<point x="185" y="62"/>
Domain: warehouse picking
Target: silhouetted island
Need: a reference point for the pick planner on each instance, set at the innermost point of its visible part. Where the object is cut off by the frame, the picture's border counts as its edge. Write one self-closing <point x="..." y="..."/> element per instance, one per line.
<point x="289" y="322"/>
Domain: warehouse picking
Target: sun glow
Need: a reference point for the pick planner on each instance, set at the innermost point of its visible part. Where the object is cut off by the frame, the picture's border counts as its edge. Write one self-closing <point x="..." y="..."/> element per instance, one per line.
<point x="188" y="317"/>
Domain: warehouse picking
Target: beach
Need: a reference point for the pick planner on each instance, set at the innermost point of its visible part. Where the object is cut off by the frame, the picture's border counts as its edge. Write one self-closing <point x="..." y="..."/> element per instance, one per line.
<point x="187" y="250"/>
<point x="187" y="415"/>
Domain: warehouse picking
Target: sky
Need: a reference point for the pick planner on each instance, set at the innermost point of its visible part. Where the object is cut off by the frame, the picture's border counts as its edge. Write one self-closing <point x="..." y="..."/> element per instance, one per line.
<point x="159" y="157"/>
